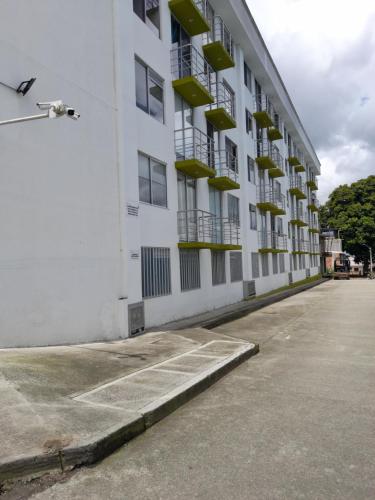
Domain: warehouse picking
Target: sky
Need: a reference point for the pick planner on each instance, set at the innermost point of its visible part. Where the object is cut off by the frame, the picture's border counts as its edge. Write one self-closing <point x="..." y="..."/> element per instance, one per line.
<point x="325" y="53"/>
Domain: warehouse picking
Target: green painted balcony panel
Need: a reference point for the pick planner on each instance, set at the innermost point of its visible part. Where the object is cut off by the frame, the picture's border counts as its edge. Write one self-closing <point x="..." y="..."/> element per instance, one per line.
<point x="195" y="168"/>
<point x="189" y="16"/>
<point x="263" y="119"/>
<point x="299" y="168"/>
<point x="265" y="162"/>
<point x="276" y="172"/>
<point x="217" y="55"/>
<point x="293" y="161"/>
<point x="298" y="222"/>
<point x="298" y="193"/>
<point x="209" y="246"/>
<point x="274" y="134"/>
<point x="223" y="183"/>
<point x="192" y="91"/>
<point x="268" y="206"/>
<point x="313" y="185"/>
<point x="220" y="119"/>
<point x="313" y="207"/>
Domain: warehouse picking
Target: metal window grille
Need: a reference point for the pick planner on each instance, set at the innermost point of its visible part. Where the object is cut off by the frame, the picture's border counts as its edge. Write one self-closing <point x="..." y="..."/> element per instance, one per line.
<point x="218" y="267"/>
<point x="190" y="270"/>
<point x="255" y="265"/>
<point x="156" y="272"/>
<point x="275" y="263"/>
<point x="235" y="266"/>
<point x="251" y="170"/>
<point x="265" y="266"/>
<point x="282" y="263"/>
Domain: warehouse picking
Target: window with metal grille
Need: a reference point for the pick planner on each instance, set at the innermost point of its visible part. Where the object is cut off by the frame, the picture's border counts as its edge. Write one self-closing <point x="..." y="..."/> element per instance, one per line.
<point x="265" y="265"/>
<point x="255" y="265"/>
<point x="282" y="263"/>
<point x="190" y="270"/>
<point x="152" y="181"/>
<point x="275" y="263"/>
<point x="156" y="272"/>
<point x="218" y="267"/>
<point x="235" y="266"/>
<point x="253" y="216"/>
<point x="251" y="170"/>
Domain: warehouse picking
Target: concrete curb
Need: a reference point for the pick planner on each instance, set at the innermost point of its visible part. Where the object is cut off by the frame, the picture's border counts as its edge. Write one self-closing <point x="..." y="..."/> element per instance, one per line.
<point x="235" y="311"/>
<point x="103" y="445"/>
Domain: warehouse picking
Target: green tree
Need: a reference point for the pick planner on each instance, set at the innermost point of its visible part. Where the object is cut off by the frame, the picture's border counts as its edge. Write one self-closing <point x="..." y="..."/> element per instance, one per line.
<point x="351" y="209"/>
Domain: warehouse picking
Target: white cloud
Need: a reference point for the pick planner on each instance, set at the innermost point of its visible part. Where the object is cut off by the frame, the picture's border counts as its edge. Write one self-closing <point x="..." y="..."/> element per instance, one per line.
<point x="325" y="51"/>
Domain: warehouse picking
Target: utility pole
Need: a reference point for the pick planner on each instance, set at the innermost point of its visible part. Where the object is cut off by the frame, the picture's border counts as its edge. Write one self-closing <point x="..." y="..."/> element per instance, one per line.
<point x="370" y="249"/>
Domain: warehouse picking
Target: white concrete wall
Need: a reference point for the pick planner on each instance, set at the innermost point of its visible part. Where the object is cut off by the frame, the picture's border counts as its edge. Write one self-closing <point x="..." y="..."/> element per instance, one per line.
<point x="60" y="267"/>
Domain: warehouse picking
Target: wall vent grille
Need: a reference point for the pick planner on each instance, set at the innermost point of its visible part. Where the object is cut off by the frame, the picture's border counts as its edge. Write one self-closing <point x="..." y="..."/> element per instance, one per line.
<point x="290" y="278"/>
<point x="249" y="289"/>
<point x="136" y="315"/>
<point x="133" y="209"/>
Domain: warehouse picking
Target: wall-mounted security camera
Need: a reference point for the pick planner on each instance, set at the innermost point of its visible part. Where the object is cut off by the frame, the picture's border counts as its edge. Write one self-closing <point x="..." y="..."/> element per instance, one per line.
<point x="54" y="109"/>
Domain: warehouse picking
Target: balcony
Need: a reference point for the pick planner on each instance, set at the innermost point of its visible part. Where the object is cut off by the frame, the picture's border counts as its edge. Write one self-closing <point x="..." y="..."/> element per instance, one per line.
<point x="295" y="160"/>
<point x="300" y="247"/>
<point x="222" y="114"/>
<point x="312" y="184"/>
<point x="191" y="75"/>
<point x="300" y="168"/>
<point x="297" y="188"/>
<point x="195" y="154"/>
<point x="272" y="242"/>
<point x="263" y="111"/>
<point x="191" y="14"/>
<point x="218" y="46"/>
<point x="313" y="205"/>
<point x="298" y="218"/>
<point x="314" y="227"/>
<point x="270" y="200"/>
<point x="268" y="157"/>
<point x="203" y="230"/>
<point x="314" y="248"/>
<point x="226" y="167"/>
<point x="274" y="134"/>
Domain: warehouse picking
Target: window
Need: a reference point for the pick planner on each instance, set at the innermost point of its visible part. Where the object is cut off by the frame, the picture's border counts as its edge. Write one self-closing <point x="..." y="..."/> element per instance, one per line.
<point x="247" y="77"/>
<point x="156" y="272"/>
<point x="249" y="122"/>
<point x="190" y="270"/>
<point x="235" y="266"/>
<point x="218" y="268"/>
<point x="265" y="267"/>
<point x="282" y="262"/>
<point x="275" y="263"/>
<point x="152" y="181"/>
<point x="253" y="216"/>
<point x="251" y="170"/>
<point x="285" y="135"/>
<point x="149" y="91"/>
<point x="148" y="11"/>
<point x="255" y="265"/>
<point x="234" y="209"/>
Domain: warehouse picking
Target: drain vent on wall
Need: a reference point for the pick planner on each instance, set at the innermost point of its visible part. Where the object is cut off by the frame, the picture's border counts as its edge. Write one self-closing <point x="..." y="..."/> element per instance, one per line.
<point x="136" y="318"/>
<point x="249" y="289"/>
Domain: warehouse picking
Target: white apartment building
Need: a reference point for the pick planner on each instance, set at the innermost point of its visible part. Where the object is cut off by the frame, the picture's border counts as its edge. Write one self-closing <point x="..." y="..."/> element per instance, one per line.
<point x="189" y="182"/>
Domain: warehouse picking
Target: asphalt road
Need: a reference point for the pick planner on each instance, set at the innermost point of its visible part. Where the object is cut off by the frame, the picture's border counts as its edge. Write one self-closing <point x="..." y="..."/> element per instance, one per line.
<point x="295" y="422"/>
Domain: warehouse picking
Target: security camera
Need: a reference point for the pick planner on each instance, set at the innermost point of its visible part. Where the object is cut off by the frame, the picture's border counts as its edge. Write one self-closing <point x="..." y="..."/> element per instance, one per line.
<point x="71" y="112"/>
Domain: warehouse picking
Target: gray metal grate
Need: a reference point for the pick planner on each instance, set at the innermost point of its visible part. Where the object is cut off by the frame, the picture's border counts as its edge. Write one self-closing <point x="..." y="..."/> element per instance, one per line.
<point x="156" y="272"/>
<point x="249" y="289"/>
<point x="136" y="318"/>
<point x="236" y="266"/>
<point x="190" y="270"/>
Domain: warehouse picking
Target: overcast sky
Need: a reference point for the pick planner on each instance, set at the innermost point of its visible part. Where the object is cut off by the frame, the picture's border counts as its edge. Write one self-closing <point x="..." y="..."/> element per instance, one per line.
<point x="325" y="52"/>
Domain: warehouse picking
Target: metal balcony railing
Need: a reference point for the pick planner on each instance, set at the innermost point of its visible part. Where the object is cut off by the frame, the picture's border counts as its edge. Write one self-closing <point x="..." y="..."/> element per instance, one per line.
<point x="272" y="240"/>
<point x="226" y="165"/>
<point x="314" y="203"/>
<point x="295" y="183"/>
<point x="267" y="149"/>
<point x="220" y="33"/>
<point x="191" y="143"/>
<point x="262" y="104"/>
<point x="188" y="61"/>
<point x="224" y="98"/>
<point x="312" y="182"/>
<point x="268" y="195"/>
<point x="198" y="226"/>
<point x="300" y="246"/>
<point x="299" y="215"/>
<point x="314" y="248"/>
<point x="313" y="224"/>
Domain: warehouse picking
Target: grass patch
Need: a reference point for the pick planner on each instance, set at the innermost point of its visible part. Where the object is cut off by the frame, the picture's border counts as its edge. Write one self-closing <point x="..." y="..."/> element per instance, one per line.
<point x="287" y="287"/>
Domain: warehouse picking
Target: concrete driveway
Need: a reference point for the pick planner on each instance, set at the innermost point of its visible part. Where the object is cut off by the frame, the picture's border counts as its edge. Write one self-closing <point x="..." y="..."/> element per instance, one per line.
<point x="296" y="422"/>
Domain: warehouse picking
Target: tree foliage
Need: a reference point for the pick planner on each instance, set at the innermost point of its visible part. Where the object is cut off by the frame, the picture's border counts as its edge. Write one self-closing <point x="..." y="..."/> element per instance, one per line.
<point x="351" y="209"/>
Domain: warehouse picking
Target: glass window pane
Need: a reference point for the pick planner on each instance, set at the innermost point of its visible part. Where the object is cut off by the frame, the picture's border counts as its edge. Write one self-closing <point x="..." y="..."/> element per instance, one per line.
<point x="156" y="100"/>
<point x="144" y="179"/>
<point x="141" y="86"/>
<point x="153" y="16"/>
<point x="159" y="184"/>
<point x="139" y="8"/>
